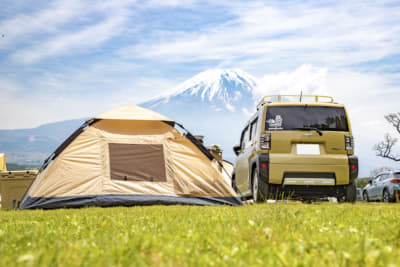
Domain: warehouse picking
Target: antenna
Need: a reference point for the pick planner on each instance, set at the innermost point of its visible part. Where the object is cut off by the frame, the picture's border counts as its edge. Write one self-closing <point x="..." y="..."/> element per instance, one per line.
<point x="301" y="94"/>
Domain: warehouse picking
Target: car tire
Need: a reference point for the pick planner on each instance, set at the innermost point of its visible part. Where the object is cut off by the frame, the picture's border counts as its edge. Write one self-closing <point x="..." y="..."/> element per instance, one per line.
<point x="365" y="196"/>
<point x="386" y="196"/>
<point x="351" y="193"/>
<point x="259" y="189"/>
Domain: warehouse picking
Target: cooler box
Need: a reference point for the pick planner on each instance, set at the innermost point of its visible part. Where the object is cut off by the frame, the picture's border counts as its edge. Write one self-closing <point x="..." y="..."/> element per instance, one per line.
<point x="13" y="185"/>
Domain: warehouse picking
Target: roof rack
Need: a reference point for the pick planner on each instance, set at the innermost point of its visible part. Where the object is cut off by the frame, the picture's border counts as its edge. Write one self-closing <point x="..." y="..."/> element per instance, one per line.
<point x="317" y="98"/>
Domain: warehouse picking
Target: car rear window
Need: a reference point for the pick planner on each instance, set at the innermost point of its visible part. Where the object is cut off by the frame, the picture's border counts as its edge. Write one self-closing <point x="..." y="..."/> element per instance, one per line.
<point x="396" y="175"/>
<point x="294" y="117"/>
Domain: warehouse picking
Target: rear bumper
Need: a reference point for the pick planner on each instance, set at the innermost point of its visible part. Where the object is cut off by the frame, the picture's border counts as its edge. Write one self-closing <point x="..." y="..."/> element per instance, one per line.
<point x="304" y="181"/>
<point x="339" y="173"/>
<point x="314" y="174"/>
<point x="307" y="181"/>
<point x="306" y="192"/>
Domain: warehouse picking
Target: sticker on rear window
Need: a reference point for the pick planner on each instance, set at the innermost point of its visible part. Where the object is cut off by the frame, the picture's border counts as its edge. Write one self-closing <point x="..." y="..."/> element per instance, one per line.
<point x="275" y="124"/>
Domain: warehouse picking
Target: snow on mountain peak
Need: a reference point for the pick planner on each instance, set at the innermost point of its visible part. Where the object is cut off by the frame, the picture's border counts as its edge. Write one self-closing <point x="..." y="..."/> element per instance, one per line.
<point x="222" y="87"/>
<point x="209" y="82"/>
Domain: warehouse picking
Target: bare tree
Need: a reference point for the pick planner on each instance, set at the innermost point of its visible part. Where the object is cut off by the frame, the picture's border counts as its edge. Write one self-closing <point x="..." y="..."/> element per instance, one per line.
<point x="384" y="149"/>
<point x="377" y="171"/>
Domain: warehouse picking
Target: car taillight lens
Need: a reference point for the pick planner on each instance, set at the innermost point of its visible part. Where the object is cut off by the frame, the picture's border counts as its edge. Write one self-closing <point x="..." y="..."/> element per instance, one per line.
<point x="265" y="141"/>
<point x="263" y="165"/>
<point x="395" y="181"/>
<point x="349" y="142"/>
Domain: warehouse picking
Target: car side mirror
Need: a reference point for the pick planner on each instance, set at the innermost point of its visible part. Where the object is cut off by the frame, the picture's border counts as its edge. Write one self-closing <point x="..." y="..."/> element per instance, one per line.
<point x="236" y="149"/>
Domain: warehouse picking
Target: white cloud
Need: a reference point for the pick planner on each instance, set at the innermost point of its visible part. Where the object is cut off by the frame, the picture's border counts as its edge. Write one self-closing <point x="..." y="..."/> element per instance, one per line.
<point x="246" y="112"/>
<point x="9" y="87"/>
<point x="75" y="94"/>
<point x="168" y="3"/>
<point x="306" y="79"/>
<point x="71" y="43"/>
<point x="46" y="20"/>
<point x="64" y="27"/>
<point x="338" y="35"/>
<point x="256" y="33"/>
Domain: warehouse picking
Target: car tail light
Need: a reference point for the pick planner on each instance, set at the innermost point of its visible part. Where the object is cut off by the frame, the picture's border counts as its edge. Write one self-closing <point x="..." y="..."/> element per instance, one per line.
<point x="263" y="165"/>
<point x="265" y="141"/>
<point x="395" y="181"/>
<point x="349" y="142"/>
<point x="353" y="168"/>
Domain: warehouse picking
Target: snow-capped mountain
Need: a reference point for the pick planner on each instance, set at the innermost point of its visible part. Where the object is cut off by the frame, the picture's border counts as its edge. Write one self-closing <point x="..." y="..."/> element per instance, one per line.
<point x="219" y="89"/>
<point x="214" y="103"/>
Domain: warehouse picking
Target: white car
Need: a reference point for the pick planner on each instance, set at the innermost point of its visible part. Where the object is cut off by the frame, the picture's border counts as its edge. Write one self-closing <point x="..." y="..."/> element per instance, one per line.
<point x="384" y="187"/>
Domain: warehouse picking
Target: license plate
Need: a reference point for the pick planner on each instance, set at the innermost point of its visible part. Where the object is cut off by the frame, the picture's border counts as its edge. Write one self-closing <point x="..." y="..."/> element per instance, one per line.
<point x="308" y="149"/>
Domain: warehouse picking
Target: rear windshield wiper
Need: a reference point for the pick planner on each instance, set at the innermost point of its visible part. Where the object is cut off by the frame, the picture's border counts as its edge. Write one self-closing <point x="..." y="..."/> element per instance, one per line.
<point x="309" y="128"/>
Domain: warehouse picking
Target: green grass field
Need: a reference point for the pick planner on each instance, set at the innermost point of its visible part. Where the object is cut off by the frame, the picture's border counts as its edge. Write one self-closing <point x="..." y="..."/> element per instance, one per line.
<point x="280" y="234"/>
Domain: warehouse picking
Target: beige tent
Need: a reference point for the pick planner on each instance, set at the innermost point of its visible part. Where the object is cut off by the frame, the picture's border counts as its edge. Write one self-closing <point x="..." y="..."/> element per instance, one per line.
<point x="3" y="167"/>
<point x="129" y="156"/>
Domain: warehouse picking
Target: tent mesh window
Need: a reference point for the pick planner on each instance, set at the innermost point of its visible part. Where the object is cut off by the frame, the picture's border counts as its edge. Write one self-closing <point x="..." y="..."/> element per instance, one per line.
<point x="137" y="162"/>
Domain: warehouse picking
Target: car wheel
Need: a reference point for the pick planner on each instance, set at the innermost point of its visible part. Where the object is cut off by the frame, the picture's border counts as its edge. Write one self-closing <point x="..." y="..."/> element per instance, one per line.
<point x="259" y="189"/>
<point x="365" y="196"/>
<point x="351" y="193"/>
<point x="386" y="196"/>
<point x="254" y="187"/>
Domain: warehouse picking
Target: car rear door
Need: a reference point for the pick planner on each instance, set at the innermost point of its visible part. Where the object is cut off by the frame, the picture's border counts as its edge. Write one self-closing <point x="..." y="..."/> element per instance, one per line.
<point x="308" y="139"/>
<point x="242" y="163"/>
<point x="373" y="191"/>
<point x="380" y="185"/>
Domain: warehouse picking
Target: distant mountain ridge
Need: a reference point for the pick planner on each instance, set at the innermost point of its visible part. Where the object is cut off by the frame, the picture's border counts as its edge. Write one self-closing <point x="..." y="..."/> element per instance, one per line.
<point x="38" y="139"/>
<point x="214" y="103"/>
<point x="32" y="146"/>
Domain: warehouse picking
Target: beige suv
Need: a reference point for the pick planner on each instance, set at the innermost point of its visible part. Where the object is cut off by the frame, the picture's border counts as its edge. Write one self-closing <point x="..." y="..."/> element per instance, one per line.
<point x="298" y="149"/>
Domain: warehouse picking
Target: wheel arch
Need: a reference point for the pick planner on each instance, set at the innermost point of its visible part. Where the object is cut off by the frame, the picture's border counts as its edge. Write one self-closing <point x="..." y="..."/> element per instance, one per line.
<point x="387" y="189"/>
<point x="252" y="166"/>
<point x="391" y="198"/>
<point x="365" y="193"/>
<point x="255" y="164"/>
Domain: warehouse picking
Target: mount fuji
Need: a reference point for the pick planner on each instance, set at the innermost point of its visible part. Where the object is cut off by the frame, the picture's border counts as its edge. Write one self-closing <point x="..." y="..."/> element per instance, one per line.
<point x="215" y="103"/>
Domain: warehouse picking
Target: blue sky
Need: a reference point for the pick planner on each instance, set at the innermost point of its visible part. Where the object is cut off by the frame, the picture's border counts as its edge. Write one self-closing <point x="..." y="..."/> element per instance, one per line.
<point x="71" y="59"/>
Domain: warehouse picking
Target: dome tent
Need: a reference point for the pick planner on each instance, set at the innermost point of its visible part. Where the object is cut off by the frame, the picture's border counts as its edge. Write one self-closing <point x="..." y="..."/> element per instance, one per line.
<point x="129" y="156"/>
